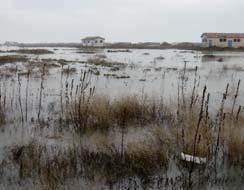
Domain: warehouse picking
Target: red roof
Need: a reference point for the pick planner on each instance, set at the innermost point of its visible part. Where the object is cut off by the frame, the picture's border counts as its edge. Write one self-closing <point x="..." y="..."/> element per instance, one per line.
<point x="223" y="35"/>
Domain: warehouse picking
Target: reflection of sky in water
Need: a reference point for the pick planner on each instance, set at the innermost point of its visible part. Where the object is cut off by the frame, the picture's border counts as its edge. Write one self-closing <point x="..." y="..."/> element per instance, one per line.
<point x="145" y="74"/>
<point x="148" y="76"/>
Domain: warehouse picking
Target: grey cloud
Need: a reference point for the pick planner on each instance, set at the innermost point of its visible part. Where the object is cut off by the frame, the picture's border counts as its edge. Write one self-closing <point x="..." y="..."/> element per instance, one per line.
<point x="117" y="20"/>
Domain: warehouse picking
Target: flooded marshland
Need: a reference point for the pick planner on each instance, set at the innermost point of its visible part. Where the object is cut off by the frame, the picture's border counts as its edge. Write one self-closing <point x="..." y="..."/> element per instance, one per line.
<point x="120" y="119"/>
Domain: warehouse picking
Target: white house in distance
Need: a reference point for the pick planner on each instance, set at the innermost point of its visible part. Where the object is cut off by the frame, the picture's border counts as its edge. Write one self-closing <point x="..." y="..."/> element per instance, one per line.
<point x="223" y="40"/>
<point x="93" y="41"/>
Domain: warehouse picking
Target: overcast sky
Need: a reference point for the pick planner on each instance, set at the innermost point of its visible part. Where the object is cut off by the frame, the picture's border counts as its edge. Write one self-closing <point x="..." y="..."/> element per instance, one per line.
<point x="117" y="20"/>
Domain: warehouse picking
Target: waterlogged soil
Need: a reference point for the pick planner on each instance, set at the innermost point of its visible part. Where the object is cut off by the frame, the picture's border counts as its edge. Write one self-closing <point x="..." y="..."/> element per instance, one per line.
<point x="152" y="73"/>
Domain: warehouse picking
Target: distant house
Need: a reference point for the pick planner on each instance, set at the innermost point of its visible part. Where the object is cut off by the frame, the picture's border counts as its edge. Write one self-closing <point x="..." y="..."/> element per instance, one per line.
<point x="93" y="41"/>
<point x="223" y="40"/>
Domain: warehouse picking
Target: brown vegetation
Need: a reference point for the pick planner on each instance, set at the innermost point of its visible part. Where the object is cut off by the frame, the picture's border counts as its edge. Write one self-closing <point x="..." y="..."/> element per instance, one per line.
<point x="104" y="63"/>
<point x="32" y="51"/>
<point x="2" y="118"/>
<point x="12" y="59"/>
<point x="102" y="113"/>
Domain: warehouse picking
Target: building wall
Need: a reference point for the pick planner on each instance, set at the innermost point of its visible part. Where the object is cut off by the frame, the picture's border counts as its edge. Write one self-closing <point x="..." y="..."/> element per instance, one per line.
<point x="216" y="42"/>
<point x="93" y="43"/>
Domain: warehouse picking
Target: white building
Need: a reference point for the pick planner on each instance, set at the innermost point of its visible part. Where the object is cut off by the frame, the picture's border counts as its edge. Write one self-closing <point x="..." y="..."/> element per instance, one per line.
<point x="223" y="40"/>
<point x="93" y="41"/>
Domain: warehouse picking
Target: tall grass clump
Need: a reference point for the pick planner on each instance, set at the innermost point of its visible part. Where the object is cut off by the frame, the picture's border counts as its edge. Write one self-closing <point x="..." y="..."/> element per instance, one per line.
<point x="100" y="112"/>
<point x="52" y="166"/>
<point x="233" y="139"/>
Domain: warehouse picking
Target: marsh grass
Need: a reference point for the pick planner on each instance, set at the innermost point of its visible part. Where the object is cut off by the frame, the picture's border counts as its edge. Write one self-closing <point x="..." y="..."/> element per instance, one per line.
<point x="182" y="125"/>
<point x="12" y="59"/>
<point x="115" y="69"/>
<point x="235" y="68"/>
<point x="99" y="112"/>
<point x="158" y="69"/>
<point x="159" y="58"/>
<point x="32" y="51"/>
<point x="52" y="166"/>
<point x="2" y="118"/>
<point x="95" y="71"/>
<point x="204" y="137"/>
<point x="69" y="71"/>
<point x="119" y="51"/>
<point x="169" y="134"/>
<point x="112" y="75"/>
<point x="104" y="63"/>
<point x="233" y="139"/>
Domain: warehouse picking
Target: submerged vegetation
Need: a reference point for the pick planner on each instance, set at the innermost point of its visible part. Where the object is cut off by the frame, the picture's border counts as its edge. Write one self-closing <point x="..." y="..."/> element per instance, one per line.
<point x="124" y="140"/>
<point x="76" y="161"/>
<point x="31" y="51"/>
<point x="12" y="59"/>
<point x="104" y="63"/>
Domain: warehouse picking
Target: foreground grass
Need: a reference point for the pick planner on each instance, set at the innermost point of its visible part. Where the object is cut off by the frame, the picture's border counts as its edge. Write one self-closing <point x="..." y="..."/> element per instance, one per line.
<point x="34" y="161"/>
<point x="192" y="128"/>
<point x="183" y="125"/>
<point x="233" y="139"/>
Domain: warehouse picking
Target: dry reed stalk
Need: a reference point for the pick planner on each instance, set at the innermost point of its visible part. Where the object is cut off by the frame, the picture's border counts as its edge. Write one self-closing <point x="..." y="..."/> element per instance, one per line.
<point x="197" y="136"/>
<point x="61" y="92"/>
<point x="194" y="89"/>
<point x="20" y="104"/>
<point x="26" y="96"/>
<point x="40" y="95"/>
<point x="235" y="97"/>
<point x="183" y="79"/>
<point x="221" y="119"/>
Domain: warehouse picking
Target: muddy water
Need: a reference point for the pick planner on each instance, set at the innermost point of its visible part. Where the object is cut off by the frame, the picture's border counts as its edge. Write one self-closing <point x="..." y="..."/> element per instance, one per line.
<point x="152" y="73"/>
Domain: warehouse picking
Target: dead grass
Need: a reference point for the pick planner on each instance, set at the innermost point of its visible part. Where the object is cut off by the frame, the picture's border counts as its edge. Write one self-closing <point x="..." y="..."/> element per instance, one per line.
<point x="100" y="112"/>
<point x="160" y="58"/>
<point x="35" y="161"/>
<point x="158" y="69"/>
<point x="95" y="71"/>
<point x="188" y="130"/>
<point x="121" y="50"/>
<point x="104" y="63"/>
<point x="12" y="59"/>
<point x="2" y="118"/>
<point x="232" y="136"/>
<point x="69" y="71"/>
<point x="32" y="51"/>
<point x="117" y="76"/>
<point x="235" y="68"/>
<point x="115" y="69"/>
